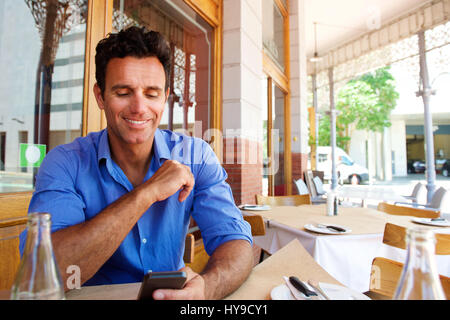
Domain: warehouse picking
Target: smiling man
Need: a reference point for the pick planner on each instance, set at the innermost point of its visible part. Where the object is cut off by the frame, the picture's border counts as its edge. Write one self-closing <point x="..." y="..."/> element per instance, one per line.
<point x="121" y="199"/>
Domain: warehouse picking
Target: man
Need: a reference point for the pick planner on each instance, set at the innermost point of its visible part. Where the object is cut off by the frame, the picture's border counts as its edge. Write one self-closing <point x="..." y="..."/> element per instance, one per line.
<point x="121" y="198"/>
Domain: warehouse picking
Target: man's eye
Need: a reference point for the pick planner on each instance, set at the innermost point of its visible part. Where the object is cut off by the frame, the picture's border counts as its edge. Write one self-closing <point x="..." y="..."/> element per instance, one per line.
<point x="121" y="93"/>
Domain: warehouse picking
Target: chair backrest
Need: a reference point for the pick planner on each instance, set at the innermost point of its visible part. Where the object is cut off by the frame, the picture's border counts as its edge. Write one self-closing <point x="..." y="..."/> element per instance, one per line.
<point x="310" y="183"/>
<point x="319" y="186"/>
<point x="257" y="224"/>
<point x="294" y="200"/>
<point x="416" y="189"/>
<point x="195" y="255"/>
<point x="13" y="219"/>
<point x="386" y="273"/>
<point x="407" y="211"/>
<point x="395" y="235"/>
<point x="301" y="186"/>
<point x="420" y="195"/>
<point x="439" y="198"/>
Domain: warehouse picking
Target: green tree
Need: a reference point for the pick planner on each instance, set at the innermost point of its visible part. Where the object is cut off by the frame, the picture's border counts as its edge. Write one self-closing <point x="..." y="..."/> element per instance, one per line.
<point x="365" y="103"/>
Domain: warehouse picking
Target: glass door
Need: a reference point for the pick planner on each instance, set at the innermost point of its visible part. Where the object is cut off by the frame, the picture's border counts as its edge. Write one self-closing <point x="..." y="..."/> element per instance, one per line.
<point x="274" y="180"/>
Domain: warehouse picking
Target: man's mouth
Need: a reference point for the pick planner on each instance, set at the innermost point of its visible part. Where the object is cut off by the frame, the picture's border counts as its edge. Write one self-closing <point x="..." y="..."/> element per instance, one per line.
<point x="136" y="121"/>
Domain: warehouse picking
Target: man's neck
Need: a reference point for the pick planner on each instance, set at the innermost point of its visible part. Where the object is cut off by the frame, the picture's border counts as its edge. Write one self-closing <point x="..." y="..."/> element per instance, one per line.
<point x="133" y="159"/>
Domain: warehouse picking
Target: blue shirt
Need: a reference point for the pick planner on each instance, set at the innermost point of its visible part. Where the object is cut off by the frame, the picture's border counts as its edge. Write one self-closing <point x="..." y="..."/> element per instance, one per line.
<point x="78" y="180"/>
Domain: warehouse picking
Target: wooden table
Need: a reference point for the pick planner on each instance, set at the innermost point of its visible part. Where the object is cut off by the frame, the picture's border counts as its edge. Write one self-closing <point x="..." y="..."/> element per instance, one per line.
<point x="348" y="258"/>
<point x="293" y="259"/>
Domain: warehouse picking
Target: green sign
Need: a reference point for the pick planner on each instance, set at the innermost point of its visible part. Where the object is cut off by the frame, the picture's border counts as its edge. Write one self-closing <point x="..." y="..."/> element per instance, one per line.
<point x="31" y="155"/>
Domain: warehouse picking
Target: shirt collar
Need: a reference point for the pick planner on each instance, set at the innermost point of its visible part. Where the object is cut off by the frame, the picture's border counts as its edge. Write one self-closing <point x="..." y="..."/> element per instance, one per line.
<point x="103" y="147"/>
<point x="161" y="150"/>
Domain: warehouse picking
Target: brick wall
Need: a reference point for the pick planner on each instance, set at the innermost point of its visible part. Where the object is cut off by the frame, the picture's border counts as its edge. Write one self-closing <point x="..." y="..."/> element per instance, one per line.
<point x="299" y="166"/>
<point x="243" y="163"/>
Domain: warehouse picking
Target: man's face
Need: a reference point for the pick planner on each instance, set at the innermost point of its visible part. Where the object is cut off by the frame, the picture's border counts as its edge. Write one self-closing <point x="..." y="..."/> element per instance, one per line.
<point x="134" y="99"/>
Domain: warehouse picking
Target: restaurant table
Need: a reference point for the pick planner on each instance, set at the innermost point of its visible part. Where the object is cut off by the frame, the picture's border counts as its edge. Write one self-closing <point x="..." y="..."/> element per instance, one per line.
<point x="346" y="257"/>
<point x="291" y="260"/>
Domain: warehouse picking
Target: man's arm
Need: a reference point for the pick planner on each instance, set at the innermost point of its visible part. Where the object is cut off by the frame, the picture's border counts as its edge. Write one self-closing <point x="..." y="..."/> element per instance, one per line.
<point x="90" y="244"/>
<point x="227" y="268"/>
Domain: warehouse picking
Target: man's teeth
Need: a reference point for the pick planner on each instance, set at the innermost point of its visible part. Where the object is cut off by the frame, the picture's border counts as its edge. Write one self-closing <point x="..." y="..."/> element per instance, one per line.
<point x="136" y="121"/>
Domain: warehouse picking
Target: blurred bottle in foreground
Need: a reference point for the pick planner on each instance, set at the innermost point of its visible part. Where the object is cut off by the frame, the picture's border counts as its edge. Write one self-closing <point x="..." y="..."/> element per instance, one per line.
<point x="420" y="278"/>
<point x="38" y="276"/>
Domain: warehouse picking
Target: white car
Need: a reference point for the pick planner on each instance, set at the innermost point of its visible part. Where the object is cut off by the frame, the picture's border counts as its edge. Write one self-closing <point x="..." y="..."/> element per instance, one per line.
<point x="347" y="169"/>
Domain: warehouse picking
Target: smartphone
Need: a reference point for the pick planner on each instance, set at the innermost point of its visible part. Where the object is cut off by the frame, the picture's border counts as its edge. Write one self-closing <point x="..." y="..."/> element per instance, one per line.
<point x="161" y="280"/>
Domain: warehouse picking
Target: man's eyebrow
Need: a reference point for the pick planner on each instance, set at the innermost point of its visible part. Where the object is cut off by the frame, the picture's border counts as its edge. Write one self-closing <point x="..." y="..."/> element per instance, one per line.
<point x="125" y="86"/>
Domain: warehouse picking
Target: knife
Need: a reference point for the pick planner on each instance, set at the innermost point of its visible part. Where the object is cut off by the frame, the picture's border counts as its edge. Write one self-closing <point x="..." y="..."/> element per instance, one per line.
<point x="294" y="292"/>
<point x="331" y="227"/>
<point x="301" y="287"/>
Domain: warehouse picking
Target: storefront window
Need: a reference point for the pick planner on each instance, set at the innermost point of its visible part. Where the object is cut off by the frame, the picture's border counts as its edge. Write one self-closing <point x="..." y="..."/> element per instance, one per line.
<point x="42" y="48"/>
<point x="273" y="32"/>
<point x="191" y="41"/>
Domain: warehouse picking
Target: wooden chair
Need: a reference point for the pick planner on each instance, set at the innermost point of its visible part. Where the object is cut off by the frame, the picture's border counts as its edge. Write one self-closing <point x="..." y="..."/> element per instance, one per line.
<point x="13" y="220"/>
<point x="200" y="257"/>
<point x="386" y="273"/>
<point x="294" y="200"/>
<point x="407" y="211"/>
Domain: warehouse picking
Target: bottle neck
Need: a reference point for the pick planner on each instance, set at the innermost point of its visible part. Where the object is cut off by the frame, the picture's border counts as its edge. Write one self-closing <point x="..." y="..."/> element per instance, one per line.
<point x="38" y="231"/>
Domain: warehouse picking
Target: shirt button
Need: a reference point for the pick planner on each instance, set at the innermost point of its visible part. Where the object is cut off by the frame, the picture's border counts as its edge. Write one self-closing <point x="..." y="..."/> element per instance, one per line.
<point x="144" y="240"/>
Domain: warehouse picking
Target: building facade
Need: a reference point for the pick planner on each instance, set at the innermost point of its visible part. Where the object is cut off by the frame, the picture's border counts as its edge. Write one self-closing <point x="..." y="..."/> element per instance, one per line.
<point x="238" y="81"/>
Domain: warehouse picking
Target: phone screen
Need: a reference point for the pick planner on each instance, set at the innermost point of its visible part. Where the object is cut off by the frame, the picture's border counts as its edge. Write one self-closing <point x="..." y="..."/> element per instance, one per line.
<point x="161" y="280"/>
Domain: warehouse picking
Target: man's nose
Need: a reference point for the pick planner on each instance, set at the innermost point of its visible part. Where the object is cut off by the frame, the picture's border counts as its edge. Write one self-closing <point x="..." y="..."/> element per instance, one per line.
<point x="138" y="104"/>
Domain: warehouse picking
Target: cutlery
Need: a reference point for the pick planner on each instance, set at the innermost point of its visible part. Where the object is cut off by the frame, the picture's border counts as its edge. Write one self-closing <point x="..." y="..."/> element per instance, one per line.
<point x="438" y="219"/>
<point x="334" y="228"/>
<point x="300" y="286"/>
<point x="295" y="293"/>
<point x="316" y="286"/>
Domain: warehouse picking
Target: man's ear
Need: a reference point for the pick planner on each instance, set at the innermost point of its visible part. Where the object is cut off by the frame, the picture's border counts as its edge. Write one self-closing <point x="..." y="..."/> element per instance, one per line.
<point x="98" y="96"/>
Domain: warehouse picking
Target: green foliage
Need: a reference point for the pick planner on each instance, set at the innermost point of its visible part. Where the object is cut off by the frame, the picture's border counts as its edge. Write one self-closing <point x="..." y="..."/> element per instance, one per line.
<point x="324" y="133"/>
<point x="366" y="102"/>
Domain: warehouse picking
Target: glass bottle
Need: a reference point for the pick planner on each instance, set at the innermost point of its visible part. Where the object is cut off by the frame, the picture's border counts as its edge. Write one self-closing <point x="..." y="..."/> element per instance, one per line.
<point x="420" y="279"/>
<point x="38" y="276"/>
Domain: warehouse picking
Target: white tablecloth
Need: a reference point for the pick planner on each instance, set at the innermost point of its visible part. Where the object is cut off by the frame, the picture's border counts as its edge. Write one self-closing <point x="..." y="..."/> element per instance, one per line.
<point x="348" y="258"/>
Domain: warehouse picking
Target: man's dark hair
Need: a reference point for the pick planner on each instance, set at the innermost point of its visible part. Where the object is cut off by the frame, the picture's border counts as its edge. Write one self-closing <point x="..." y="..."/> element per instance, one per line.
<point x="131" y="42"/>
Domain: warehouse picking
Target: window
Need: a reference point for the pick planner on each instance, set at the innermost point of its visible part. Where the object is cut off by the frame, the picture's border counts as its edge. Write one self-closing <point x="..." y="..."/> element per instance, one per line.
<point x="273" y="32"/>
<point x="345" y="160"/>
<point x="42" y="65"/>
<point x="322" y="157"/>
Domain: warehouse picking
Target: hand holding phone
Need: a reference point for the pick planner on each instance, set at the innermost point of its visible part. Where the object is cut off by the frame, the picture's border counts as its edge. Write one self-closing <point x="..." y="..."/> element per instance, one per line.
<point x="161" y="280"/>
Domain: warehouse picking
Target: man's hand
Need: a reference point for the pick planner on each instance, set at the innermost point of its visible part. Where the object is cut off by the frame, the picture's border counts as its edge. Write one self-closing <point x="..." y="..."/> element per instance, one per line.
<point x="171" y="177"/>
<point x="193" y="290"/>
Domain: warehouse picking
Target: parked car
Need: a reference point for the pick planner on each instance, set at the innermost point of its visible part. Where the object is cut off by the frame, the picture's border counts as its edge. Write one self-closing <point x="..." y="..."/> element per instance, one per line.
<point x="346" y="168"/>
<point x="445" y="168"/>
<point x="416" y="166"/>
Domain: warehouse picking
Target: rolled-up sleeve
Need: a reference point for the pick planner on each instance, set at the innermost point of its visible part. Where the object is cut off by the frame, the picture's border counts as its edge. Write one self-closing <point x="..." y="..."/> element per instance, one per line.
<point x="55" y="193"/>
<point x="214" y="208"/>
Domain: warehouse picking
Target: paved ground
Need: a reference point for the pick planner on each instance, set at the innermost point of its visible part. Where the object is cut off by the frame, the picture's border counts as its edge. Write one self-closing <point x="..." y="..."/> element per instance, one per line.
<point x="405" y="185"/>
